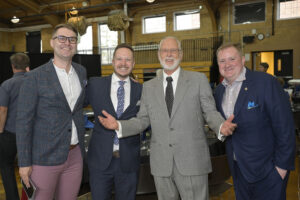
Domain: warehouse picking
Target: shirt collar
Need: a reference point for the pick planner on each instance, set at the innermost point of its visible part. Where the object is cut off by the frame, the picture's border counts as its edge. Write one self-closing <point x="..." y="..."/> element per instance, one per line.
<point x="115" y="79"/>
<point x="174" y="75"/>
<point x="58" y="69"/>
<point x="18" y="74"/>
<point x="240" y="78"/>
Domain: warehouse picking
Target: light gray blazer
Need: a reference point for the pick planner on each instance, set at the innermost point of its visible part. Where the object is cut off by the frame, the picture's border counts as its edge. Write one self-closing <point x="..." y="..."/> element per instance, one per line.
<point x="180" y="138"/>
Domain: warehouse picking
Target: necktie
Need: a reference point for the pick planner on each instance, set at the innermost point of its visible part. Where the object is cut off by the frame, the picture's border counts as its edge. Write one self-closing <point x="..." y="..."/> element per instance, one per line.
<point x="169" y="95"/>
<point x="120" y="106"/>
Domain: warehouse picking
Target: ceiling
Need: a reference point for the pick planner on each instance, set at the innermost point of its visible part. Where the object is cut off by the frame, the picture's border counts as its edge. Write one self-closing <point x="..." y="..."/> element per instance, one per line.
<point x="53" y="12"/>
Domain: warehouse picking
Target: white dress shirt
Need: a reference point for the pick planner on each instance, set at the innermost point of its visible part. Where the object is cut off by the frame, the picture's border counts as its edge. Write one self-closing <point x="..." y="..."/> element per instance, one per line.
<point x="174" y="76"/>
<point x="71" y="87"/>
<point x="113" y="95"/>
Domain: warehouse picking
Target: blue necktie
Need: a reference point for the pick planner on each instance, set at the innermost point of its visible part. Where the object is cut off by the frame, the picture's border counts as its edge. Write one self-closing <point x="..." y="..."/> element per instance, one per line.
<point x="120" y="106"/>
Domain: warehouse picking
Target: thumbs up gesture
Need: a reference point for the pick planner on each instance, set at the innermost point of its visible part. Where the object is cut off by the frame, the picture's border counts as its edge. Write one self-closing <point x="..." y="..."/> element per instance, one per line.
<point x="228" y="127"/>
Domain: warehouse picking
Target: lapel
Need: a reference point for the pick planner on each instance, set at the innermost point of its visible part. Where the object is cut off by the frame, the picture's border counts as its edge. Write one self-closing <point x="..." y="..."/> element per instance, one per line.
<point x="55" y="84"/>
<point x="244" y="91"/>
<point x="219" y="98"/>
<point x="133" y="95"/>
<point x="83" y="83"/>
<point x="160" y="94"/>
<point x="182" y="86"/>
<point x="107" y="91"/>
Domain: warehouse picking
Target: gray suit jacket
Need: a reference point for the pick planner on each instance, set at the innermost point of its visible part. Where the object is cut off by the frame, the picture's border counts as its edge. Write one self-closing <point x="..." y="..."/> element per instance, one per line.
<point x="180" y="138"/>
<point x="44" y="118"/>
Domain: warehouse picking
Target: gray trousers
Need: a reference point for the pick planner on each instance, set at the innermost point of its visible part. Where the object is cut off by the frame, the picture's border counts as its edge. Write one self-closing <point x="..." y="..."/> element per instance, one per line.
<point x="178" y="186"/>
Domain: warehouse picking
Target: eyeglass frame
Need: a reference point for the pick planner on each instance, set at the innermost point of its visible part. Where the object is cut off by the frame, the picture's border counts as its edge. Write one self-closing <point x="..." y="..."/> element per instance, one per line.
<point x="63" y="39"/>
<point x="172" y="51"/>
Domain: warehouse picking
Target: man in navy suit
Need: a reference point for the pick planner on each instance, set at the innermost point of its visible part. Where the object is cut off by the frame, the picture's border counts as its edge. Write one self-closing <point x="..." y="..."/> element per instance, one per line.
<point x="114" y="162"/>
<point x="261" y="150"/>
<point x="50" y="123"/>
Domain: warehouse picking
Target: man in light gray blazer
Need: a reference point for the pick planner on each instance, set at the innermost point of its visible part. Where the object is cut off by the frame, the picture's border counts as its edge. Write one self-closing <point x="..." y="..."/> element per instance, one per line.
<point x="50" y="124"/>
<point x="179" y="157"/>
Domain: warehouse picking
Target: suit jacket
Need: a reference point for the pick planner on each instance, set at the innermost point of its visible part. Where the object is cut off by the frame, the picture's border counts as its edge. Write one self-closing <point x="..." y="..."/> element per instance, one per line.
<point x="101" y="144"/>
<point x="265" y="134"/>
<point x="181" y="137"/>
<point x="44" y="117"/>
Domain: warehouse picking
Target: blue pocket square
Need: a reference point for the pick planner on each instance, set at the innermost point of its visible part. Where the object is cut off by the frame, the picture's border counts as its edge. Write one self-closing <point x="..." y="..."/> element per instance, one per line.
<point x="251" y="104"/>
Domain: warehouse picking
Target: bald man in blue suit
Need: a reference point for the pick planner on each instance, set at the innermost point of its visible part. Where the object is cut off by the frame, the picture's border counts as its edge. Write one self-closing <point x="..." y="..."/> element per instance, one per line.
<point x="261" y="150"/>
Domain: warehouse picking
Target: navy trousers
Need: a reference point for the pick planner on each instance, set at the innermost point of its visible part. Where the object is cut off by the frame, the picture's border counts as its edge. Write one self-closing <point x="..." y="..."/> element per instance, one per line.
<point x="102" y="183"/>
<point x="271" y="187"/>
<point x="8" y="151"/>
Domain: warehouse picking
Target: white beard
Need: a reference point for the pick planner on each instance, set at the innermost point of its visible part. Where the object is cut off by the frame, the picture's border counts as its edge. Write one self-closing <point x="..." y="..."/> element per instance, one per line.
<point x="167" y="67"/>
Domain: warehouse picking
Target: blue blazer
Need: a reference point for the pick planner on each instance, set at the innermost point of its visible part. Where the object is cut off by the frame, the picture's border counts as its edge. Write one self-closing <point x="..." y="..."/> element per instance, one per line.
<point x="44" y="117"/>
<point x="265" y="134"/>
<point x="101" y="144"/>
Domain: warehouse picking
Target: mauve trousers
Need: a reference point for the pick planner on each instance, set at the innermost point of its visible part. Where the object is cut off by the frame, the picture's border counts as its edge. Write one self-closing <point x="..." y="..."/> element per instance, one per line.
<point x="61" y="182"/>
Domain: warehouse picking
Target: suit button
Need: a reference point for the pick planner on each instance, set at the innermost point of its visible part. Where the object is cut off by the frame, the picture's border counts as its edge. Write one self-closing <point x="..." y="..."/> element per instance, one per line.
<point x="69" y="130"/>
<point x="170" y="145"/>
<point x="112" y="136"/>
<point x="171" y="129"/>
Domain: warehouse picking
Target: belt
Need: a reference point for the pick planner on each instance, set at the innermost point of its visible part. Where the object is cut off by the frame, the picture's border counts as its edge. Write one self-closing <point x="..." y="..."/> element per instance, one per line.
<point x="72" y="146"/>
<point x="116" y="154"/>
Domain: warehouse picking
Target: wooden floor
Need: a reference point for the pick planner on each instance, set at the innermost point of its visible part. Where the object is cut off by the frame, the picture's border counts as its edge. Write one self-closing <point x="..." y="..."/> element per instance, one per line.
<point x="292" y="189"/>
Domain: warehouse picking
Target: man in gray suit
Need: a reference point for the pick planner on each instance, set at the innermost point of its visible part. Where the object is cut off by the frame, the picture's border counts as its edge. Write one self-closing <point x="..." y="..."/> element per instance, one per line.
<point x="50" y="124"/>
<point x="176" y="104"/>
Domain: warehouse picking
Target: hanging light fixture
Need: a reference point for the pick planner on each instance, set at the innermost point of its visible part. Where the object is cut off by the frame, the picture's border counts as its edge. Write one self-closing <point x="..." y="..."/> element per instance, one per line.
<point x="15" y="20"/>
<point x="73" y="11"/>
<point x="150" y="1"/>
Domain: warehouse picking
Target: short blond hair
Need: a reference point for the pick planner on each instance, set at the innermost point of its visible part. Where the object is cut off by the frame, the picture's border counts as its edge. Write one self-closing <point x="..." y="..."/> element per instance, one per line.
<point x="226" y="45"/>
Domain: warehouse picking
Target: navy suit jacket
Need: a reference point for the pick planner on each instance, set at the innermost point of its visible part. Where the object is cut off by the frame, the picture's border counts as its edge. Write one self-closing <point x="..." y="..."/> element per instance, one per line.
<point x="44" y="117"/>
<point x="101" y="144"/>
<point x="265" y="135"/>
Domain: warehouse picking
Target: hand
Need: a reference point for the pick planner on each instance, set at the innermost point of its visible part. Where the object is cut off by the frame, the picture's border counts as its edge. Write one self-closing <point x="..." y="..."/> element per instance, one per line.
<point x="228" y="127"/>
<point x="109" y="121"/>
<point x="25" y="172"/>
<point x="281" y="172"/>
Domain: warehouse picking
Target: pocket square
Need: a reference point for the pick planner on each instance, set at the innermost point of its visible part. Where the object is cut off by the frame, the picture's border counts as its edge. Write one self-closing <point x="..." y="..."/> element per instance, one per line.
<point x="84" y="82"/>
<point x="138" y="103"/>
<point x="252" y="104"/>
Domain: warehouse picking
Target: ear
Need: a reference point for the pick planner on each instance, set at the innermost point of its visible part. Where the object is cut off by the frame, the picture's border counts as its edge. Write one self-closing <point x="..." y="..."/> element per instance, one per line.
<point x="51" y="43"/>
<point x="243" y="60"/>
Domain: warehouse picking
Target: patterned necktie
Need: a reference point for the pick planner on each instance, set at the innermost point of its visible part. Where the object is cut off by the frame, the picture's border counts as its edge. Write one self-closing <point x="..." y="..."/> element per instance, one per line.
<point x="169" y="95"/>
<point x="120" y="106"/>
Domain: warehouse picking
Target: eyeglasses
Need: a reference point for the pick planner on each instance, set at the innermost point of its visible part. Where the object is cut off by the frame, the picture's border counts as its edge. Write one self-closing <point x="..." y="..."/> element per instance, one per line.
<point x="63" y="39"/>
<point x="172" y="51"/>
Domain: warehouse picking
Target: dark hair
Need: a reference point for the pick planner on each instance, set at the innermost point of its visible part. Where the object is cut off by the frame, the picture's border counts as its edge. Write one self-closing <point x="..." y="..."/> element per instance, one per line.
<point x="237" y="46"/>
<point x="20" y="61"/>
<point x="123" y="45"/>
<point x="265" y="65"/>
<point x="67" y="26"/>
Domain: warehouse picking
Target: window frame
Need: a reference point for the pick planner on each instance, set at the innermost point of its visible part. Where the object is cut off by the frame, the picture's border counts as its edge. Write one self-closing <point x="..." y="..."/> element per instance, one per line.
<point x="245" y="3"/>
<point x="186" y="12"/>
<point x="278" y="13"/>
<point x="153" y="16"/>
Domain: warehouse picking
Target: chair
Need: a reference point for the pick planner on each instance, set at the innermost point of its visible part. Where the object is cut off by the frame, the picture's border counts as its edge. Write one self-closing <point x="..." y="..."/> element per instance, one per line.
<point x="218" y="177"/>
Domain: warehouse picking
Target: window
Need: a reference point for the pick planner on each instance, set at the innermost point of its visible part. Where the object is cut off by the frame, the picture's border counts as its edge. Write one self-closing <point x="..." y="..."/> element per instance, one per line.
<point x="108" y="42"/>
<point x="85" y="42"/>
<point x="249" y="13"/>
<point x="186" y="20"/>
<point x="154" y="24"/>
<point x="288" y="9"/>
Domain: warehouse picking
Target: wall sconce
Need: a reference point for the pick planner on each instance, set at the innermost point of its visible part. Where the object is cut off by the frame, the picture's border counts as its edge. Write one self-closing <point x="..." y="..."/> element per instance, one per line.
<point x="15" y="20"/>
<point x="73" y="11"/>
<point x="150" y="1"/>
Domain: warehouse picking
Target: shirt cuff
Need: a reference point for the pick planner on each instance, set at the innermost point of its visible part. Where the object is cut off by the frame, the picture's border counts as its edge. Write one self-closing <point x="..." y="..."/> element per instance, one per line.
<point x="119" y="132"/>
<point x="220" y="136"/>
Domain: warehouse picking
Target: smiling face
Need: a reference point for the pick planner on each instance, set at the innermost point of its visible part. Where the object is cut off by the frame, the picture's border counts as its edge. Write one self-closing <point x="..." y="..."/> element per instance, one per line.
<point x="169" y="55"/>
<point x="63" y="50"/>
<point x="230" y="63"/>
<point x="123" y="62"/>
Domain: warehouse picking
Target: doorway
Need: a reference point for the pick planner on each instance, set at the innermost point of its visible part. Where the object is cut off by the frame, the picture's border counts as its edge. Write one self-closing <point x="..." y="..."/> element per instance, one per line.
<point x="280" y="62"/>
